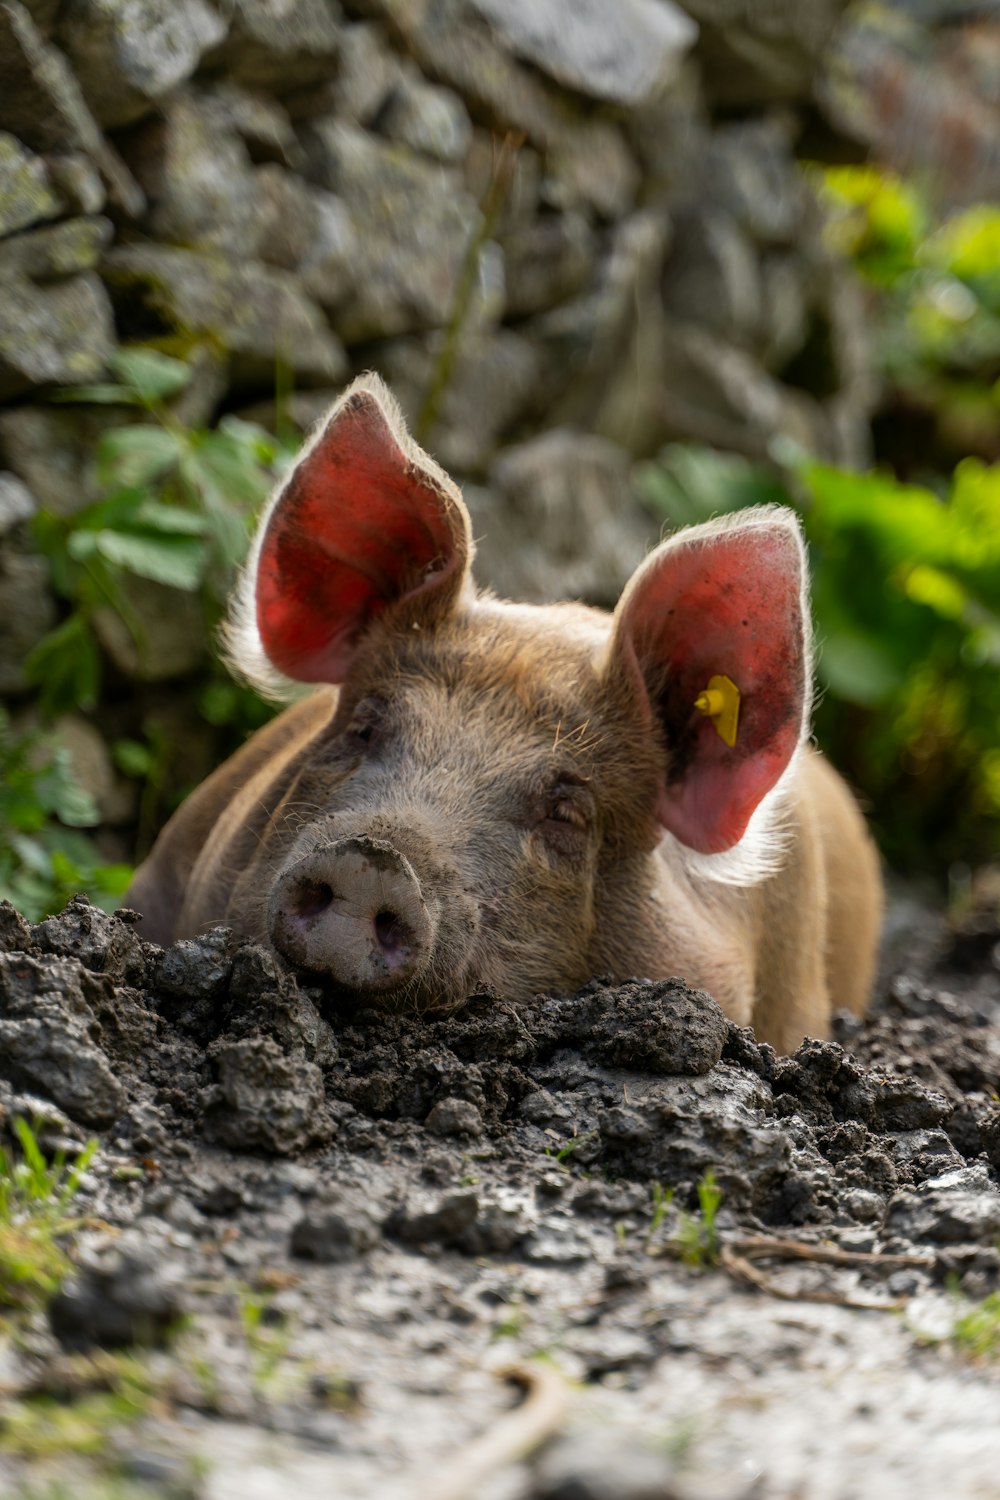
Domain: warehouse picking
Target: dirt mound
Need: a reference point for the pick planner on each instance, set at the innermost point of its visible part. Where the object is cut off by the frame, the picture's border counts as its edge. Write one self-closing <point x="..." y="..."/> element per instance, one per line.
<point x="447" y="1170"/>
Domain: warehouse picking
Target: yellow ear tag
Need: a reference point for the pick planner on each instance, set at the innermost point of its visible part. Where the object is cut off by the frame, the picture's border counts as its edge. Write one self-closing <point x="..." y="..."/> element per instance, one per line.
<point x="720" y="702"/>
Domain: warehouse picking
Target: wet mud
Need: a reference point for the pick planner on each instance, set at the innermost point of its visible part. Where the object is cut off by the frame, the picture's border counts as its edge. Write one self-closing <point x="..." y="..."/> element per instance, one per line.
<point x="327" y="1236"/>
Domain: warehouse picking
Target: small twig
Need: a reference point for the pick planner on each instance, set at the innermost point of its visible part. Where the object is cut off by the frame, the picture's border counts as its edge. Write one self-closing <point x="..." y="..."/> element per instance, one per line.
<point x="737" y="1256"/>
<point x="513" y="1437"/>
<point x="741" y="1268"/>
<point x="761" y="1246"/>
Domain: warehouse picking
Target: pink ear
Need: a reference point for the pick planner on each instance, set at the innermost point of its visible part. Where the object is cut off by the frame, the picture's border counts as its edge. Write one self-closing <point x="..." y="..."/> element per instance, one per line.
<point x="724" y="599"/>
<point x="365" y="521"/>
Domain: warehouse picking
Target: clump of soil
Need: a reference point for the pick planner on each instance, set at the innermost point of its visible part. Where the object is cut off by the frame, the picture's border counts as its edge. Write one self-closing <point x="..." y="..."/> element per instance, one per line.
<point x="406" y="1192"/>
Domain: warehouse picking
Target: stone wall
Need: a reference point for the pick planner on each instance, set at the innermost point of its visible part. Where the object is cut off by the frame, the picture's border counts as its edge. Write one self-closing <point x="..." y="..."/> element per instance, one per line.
<point x="566" y="231"/>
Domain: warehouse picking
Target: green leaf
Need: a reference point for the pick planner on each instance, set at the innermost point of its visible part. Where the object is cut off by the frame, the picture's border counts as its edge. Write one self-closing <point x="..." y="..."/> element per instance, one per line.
<point x="134" y="456"/>
<point x="66" y="666"/>
<point x="857" y="670"/>
<point x="99" y="395"/>
<point x="152" y="375"/>
<point x="133" y="757"/>
<point x="178" y="561"/>
<point x="171" y="519"/>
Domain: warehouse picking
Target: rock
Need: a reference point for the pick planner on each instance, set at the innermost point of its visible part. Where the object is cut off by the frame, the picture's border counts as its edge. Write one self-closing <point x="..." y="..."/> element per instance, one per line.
<point x="261" y="122"/>
<point x="17" y="503"/>
<point x="547" y="260"/>
<point x="436" y="1223"/>
<point x="415" y="222"/>
<point x="52" y="448"/>
<point x="337" y="1231"/>
<point x="127" y="54"/>
<point x="759" y="54"/>
<point x="924" y="100"/>
<point x="450" y="42"/>
<point x="264" y="1100"/>
<point x="197" y="175"/>
<point x="307" y="228"/>
<point x="124" y="1292"/>
<point x="591" y="167"/>
<point x="27" y="614"/>
<point x="749" y="171"/>
<point x="78" y="182"/>
<point x="456" y="1117"/>
<point x="283" y="46"/>
<point x="559" y="521"/>
<point x="428" y="119"/>
<point x="712" y="277"/>
<point x="54" y="251"/>
<point x="56" y="327"/>
<point x="492" y="386"/>
<point x="27" y="194"/>
<point x="257" y="313"/>
<point x="45" y="108"/>
<point x="622" y="55"/>
<point x="165" y="634"/>
<point x="367" y="74"/>
<point x="617" y="326"/>
<point x="959" y="1207"/>
<point x="47" y="1039"/>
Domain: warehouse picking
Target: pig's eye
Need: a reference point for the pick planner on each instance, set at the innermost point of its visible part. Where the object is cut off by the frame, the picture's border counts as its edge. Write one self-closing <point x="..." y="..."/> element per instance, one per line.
<point x="366" y="724"/>
<point x="566" y="813"/>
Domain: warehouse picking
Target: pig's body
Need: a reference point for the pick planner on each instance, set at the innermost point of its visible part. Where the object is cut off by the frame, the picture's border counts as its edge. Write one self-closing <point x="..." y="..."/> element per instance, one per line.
<point x="515" y="797"/>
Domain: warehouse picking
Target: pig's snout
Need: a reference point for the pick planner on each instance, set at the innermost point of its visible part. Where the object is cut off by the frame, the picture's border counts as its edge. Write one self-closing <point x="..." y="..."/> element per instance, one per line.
<point x="353" y="911"/>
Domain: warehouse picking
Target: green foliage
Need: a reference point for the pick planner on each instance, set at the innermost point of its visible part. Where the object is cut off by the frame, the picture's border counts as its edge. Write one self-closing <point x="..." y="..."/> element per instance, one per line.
<point x="935" y="303"/>
<point x="44" y="856"/>
<point x="174" y="509"/>
<point x="906" y="597"/>
<point x="697" y="1236"/>
<point x="35" y="1195"/>
<point x="976" y="1332"/>
<point x="561" y="1155"/>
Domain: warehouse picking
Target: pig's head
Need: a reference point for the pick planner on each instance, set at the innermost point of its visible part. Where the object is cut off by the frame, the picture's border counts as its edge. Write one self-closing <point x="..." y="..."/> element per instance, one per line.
<point x="485" y="805"/>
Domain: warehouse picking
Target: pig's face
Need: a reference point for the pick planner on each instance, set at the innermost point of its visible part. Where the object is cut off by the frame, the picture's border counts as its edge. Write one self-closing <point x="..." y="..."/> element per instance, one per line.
<point x="488" y="795"/>
<point x="452" y="828"/>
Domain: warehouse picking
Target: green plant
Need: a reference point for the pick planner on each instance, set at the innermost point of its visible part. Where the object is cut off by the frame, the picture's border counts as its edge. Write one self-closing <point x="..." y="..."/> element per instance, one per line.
<point x="976" y="1332"/>
<point x="562" y="1154"/>
<point x="35" y="1195"/>
<point x="697" y="1236"/>
<point x="45" y="858"/>
<point x="267" y="1336"/>
<point x="174" y="509"/>
<point x="663" y="1200"/>
<point x="935" y="306"/>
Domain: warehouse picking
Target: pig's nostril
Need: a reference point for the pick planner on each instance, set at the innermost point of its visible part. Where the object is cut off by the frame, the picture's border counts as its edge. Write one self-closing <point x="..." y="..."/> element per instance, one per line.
<point x="393" y="935"/>
<point x="311" y="898"/>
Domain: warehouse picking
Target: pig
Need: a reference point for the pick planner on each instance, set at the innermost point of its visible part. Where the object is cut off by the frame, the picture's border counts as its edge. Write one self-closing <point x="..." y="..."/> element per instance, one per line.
<point x="479" y="796"/>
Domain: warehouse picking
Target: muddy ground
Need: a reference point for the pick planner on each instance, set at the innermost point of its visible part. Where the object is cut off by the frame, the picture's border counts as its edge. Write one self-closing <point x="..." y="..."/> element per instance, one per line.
<point x="361" y="1256"/>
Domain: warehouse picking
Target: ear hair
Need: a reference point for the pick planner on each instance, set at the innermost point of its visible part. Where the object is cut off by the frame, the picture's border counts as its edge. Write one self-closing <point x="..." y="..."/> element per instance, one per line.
<point x="242" y="647"/>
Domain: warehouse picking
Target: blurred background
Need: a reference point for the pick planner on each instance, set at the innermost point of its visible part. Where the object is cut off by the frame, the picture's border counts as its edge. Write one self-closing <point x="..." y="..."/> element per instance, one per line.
<point x="625" y="265"/>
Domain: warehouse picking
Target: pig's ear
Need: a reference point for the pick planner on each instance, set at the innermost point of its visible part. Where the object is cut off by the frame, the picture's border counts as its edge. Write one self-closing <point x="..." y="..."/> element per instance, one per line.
<point x="366" y="522"/>
<point x="726" y="599"/>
